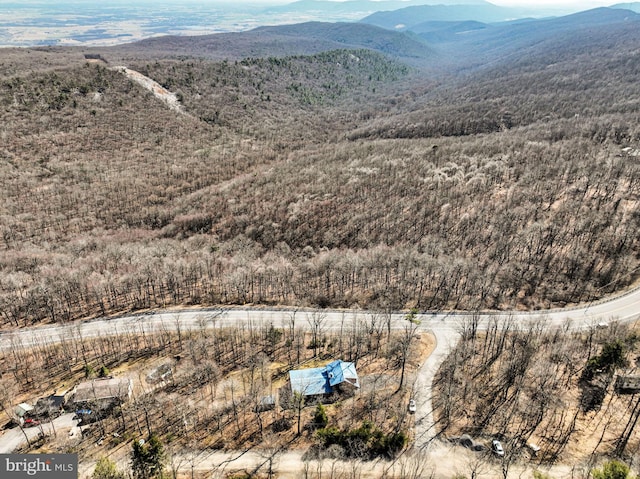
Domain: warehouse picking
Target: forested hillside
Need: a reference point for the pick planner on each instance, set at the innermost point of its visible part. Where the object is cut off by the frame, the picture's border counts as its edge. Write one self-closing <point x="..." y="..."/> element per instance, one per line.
<point x="343" y="178"/>
<point x="281" y="41"/>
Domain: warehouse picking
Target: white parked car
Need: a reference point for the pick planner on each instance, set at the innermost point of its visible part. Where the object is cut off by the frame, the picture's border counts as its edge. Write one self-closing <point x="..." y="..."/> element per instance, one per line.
<point x="412" y="405"/>
<point x="496" y="447"/>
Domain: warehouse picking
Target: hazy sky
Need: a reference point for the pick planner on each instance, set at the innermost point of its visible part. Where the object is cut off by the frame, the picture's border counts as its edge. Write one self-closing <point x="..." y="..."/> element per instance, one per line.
<point x="546" y="3"/>
<point x="577" y="4"/>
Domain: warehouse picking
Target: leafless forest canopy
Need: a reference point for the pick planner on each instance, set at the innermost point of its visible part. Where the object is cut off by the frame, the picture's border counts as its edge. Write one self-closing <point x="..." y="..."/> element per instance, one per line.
<point x="217" y="378"/>
<point x="551" y="389"/>
<point x="339" y="179"/>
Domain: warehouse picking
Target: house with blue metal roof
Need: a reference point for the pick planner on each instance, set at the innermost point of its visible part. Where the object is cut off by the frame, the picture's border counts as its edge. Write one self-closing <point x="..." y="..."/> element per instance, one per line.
<point x="337" y="376"/>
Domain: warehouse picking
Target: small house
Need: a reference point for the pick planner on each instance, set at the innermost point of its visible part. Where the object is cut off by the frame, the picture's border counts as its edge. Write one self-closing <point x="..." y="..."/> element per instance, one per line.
<point x="103" y="392"/>
<point x="627" y="384"/>
<point x="51" y="406"/>
<point x="336" y="377"/>
<point x="23" y="409"/>
<point x="266" y="403"/>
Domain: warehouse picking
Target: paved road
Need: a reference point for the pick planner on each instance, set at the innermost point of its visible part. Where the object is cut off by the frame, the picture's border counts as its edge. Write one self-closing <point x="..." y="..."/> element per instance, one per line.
<point x="444" y="326"/>
<point x="447" y="327"/>
<point x="625" y="307"/>
<point x="14" y="437"/>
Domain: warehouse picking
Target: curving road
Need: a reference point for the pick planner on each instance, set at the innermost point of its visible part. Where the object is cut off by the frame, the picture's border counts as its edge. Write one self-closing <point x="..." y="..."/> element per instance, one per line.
<point x="624" y="307"/>
<point x="445" y="327"/>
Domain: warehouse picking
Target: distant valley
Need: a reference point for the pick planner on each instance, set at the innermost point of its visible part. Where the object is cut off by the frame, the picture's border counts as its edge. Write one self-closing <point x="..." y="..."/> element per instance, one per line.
<point x="81" y="23"/>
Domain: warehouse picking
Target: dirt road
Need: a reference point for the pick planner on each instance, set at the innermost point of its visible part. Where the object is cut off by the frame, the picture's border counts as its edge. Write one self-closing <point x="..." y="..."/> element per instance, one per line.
<point x="167" y="97"/>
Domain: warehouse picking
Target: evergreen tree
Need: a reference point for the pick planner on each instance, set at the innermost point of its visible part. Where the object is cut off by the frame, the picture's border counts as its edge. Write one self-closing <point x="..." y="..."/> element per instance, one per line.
<point x="106" y="469"/>
<point x="320" y="418"/>
<point x="612" y="470"/>
<point x="147" y="459"/>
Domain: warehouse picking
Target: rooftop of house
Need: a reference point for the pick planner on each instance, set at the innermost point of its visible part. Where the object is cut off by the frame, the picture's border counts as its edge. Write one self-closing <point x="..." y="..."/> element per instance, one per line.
<point x="316" y="381"/>
<point x="105" y="388"/>
<point x="23" y="408"/>
<point x="630" y="383"/>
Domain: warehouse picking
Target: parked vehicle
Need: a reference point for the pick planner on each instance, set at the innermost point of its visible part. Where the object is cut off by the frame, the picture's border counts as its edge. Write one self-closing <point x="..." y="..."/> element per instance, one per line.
<point x="496" y="447"/>
<point x="85" y="416"/>
<point x="30" y="422"/>
<point x="412" y="405"/>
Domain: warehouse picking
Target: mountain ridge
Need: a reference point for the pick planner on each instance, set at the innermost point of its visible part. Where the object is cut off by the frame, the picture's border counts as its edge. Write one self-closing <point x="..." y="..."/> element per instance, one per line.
<point x="285" y="40"/>
<point x="490" y="42"/>
<point x="356" y="6"/>
<point x="404" y="18"/>
<point x="633" y="6"/>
